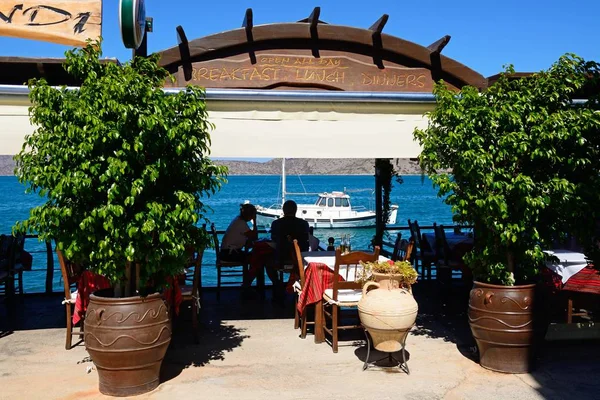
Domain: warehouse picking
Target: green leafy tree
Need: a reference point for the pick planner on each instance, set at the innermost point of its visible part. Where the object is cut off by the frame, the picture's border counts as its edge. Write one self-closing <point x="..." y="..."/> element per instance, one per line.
<point x="123" y="167"/>
<point x="525" y="162"/>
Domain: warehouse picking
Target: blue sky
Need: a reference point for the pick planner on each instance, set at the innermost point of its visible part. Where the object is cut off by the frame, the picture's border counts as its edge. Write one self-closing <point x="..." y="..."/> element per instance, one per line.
<point x="530" y="34"/>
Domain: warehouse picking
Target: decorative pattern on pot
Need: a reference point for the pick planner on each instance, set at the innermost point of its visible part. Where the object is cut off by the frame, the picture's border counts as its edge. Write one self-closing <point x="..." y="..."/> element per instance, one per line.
<point x="127" y="339"/>
<point x="501" y="320"/>
<point x="388" y="315"/>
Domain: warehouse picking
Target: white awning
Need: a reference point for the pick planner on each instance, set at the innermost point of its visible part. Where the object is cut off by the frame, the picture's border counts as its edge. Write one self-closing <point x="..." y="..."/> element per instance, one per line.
<point x="314" y="135"/>
<point x="270" y="124"/>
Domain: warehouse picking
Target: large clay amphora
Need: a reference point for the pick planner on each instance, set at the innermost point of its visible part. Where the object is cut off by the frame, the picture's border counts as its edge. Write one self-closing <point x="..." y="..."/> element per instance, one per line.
<point x="388" y="315"/>
<point x="127" y="339"/>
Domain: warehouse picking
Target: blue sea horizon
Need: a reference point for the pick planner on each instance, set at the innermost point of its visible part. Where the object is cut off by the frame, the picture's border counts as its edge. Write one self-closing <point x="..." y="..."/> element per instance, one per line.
<point x="416" y="198"/>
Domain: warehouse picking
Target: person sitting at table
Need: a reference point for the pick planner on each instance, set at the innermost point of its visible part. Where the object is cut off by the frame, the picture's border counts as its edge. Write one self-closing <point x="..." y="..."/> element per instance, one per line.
<point x="283" y="232"/>
<point x="331" y="244"/>
<point x="313" y="242"/>
<point x="238" y="233"/>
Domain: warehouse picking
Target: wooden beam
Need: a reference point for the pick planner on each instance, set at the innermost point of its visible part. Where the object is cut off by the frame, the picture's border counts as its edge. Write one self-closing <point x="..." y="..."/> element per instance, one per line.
<point x="184" y="52"/>
<point x="379" y="24"/>
<point x="313" y="20"/>
<point x="248" y="24"/>
<point x="435" y="59"/>
<point x="438" y="45"/>
<point x="377" y="27"/>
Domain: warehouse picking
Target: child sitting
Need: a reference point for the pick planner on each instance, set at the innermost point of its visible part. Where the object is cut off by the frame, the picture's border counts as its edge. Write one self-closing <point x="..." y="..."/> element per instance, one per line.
<point x="330" y="246"/>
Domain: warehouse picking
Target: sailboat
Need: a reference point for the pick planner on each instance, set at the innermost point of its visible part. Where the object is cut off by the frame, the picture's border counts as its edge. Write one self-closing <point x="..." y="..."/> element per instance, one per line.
<point x="330" y="210"/>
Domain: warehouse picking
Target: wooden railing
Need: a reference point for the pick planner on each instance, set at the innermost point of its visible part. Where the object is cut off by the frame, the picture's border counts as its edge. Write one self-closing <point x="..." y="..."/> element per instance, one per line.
<point x="387" y="249"/>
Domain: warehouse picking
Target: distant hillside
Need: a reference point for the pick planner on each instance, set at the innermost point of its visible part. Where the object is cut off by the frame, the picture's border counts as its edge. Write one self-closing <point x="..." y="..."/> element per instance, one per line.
<point x="7" y="165"/>
<point x="299" y="166"/>
<point x="316" y="166"/>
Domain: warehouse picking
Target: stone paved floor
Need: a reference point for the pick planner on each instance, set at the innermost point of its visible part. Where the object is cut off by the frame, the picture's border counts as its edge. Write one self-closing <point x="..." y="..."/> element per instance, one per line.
<point x="249" y="350"/>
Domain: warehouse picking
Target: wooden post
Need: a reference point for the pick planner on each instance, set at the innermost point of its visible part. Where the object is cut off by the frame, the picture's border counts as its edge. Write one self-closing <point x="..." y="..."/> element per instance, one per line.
<point x="142" y="51"/>
<point x="378" y="206"/>
<point x="49" y="267"/>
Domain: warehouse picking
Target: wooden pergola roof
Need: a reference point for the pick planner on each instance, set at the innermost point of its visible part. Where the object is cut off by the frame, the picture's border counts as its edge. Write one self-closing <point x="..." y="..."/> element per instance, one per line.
<point x="315" y="39"/>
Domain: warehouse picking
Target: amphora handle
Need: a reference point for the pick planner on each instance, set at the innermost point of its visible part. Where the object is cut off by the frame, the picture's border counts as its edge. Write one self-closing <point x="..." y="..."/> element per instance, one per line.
<point x="369" y="284"/>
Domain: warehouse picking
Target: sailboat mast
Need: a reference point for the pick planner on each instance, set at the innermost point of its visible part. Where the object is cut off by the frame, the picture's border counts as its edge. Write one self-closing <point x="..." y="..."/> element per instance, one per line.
<point x="282" y="181"/>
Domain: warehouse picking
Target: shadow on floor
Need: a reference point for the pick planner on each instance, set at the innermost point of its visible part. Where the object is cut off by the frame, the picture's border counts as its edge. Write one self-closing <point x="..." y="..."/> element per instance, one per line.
<point x="216" y="337"/>
<point x="443" y="314"/>
<point x="568" y="369"/>
<point x="33" y="312"/>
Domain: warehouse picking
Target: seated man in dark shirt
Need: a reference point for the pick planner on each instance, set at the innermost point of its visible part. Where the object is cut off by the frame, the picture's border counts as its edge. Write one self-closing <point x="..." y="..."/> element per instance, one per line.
<point x="291" y="226"/>
<point x="283" y="231"/>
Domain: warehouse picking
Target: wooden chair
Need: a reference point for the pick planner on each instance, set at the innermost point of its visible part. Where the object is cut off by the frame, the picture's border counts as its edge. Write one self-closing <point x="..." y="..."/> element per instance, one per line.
<point x="191" y="292"/>
<point x="397" y="247"/>
<point x="11" y="271"/>
<point x="423" y="254"/>
<point x="447" y="261"/>
<point x="299" y="321"/>
<point x="227" y="269"/>
<point x="70" y="274"/>
<point x="407" y="250"/>
<point x="403" y="249"/>
<point x="344" y="293"/>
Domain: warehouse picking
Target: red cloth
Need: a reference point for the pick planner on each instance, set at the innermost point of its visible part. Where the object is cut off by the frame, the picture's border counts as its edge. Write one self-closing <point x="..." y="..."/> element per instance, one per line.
<point x="587" y="280"/>
<point x="88" y="283"/>
<point x="262" y="255"/>
<point x="172" y="294"/>
<point x="318" y="277"/>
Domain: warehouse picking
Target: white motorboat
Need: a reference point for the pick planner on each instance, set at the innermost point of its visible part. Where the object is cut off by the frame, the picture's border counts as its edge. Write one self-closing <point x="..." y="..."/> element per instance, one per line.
<point x="330" y="210"/>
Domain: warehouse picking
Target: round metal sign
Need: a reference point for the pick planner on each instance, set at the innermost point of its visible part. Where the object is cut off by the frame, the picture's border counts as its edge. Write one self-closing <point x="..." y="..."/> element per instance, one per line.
<point x="132" y="19"/>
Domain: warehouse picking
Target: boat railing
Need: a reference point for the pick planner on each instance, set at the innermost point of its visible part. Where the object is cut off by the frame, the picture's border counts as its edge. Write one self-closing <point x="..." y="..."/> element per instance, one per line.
<point x="273" y="206"/>
<point x="359" y="208"/>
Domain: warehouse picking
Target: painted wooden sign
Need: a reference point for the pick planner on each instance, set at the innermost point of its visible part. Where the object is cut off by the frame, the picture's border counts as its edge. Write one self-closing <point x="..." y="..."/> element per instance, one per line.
<point x="69" y="22"/>
<point x="342" y="72"/>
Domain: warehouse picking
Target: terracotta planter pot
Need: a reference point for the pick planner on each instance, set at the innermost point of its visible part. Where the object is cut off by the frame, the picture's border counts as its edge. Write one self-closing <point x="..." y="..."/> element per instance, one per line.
<point x="127" y="339"/>
<point x="502" y="322"/>
<point x="388" y="315"/>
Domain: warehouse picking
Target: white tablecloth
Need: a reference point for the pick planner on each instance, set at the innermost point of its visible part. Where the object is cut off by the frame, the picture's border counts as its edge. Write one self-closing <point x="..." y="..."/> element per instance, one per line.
<point x="328" y="258"/>
<point x="569" y="263"/>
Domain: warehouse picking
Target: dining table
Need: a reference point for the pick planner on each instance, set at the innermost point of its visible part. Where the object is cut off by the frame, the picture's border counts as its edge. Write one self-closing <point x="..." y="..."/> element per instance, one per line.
<point x="456" y="241"/>
<point x="566" y="264"/>
<point x="319" y="267"/>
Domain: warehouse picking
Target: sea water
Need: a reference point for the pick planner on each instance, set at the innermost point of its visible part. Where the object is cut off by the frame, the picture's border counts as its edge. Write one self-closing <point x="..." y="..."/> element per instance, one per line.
<point x="416" y="199"/>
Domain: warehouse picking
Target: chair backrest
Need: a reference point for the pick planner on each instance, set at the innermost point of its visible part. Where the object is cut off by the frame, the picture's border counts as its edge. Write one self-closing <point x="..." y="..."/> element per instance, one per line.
<point x="443" y="251"/>
<point x="298" y="264"/>
<point x="396" y="253"/>
<point x="410" y="246"/>
<point x="6" y="243"/>
<point x="352" y="263"/>
<point x="411" y="228"/>
<point x="416" y="234"/>
<point x="215" y="237"/>
<point x="70" y="272"/>
<point x="10" y="250"/>
<point x="195" y="260"/>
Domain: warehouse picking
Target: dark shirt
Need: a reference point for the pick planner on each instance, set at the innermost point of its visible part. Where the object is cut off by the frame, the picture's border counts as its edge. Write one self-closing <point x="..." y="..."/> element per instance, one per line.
<point x="296" y="228"/>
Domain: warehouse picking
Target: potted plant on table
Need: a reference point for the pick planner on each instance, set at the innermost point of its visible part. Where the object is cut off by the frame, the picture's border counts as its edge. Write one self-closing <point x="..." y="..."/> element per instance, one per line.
<point x="124" y="169"/>
<point x="525" y="162"/>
